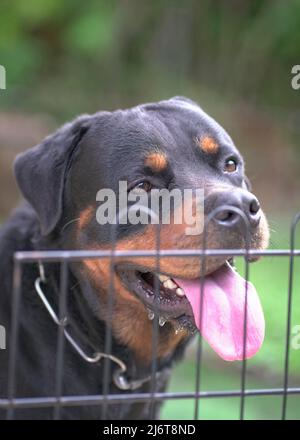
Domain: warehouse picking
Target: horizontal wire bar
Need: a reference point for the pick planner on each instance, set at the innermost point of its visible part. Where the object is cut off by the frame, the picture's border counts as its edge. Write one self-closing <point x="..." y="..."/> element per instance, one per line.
<point x="57" y="256"/>
<point x="39" y="402"/>
<point x="94" y="400"/>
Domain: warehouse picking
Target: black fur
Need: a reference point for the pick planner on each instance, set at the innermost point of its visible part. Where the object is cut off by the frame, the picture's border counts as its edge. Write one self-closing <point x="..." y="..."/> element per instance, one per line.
<point x="59" y="177"/>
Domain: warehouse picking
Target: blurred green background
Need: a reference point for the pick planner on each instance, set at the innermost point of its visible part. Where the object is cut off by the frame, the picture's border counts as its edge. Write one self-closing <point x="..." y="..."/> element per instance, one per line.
<point x="233" y="57"/>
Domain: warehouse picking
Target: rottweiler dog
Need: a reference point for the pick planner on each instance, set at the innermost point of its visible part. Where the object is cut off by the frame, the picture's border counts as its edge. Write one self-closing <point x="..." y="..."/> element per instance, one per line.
<point x="164" y="145"/>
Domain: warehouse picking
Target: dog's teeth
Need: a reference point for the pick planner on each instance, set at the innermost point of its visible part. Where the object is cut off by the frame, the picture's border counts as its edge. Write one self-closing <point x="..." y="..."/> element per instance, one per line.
<point x="180" y="292"/>
<point x="162" y="321"/>
<point x="178" y="328"/>
<point x="163" y="278"/>
<point x="150" y="315"/>
<point x="169" y="284"/>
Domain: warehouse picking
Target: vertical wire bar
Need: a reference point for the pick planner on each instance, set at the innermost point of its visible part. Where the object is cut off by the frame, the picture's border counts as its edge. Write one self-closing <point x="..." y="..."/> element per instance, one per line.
<point x="108" y="331"/>
<point x="200" y="343"/>
<point x="244" y="365"/>
<point x="155" y="327"/>
<point x="202" y="281"/>
<point x="13" y="340"/>
<point x="62" y="313"/>
<point x="289" y="315"/>
<point x="209" y="218"/>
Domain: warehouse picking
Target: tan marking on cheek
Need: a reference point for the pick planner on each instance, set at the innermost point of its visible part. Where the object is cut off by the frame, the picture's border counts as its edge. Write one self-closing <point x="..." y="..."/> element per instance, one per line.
<point x="99" y="272"/>
<point x="85" y="216"/>
<point x="138" y="334"/>
<point x="208" y="144"/>
<point x="91" y="265"/>
<point x="156" y="161"/>
<point x="129" y="319"/>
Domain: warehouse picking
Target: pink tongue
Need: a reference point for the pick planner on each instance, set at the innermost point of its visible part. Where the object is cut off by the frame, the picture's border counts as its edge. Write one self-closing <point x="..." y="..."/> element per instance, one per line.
<point x="223" y="313"/>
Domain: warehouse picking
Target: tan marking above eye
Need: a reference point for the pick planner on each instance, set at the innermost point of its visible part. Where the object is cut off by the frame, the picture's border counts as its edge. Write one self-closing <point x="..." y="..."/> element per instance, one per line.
<point x="157" y="161"/>
<point x="85" y="217"/>
<point x="208" y="144"/>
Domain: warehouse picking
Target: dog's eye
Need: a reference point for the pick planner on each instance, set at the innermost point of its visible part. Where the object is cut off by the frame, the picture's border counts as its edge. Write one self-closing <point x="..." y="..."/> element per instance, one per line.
<point x="142" y="186"/>
<point x="230" y="165"/>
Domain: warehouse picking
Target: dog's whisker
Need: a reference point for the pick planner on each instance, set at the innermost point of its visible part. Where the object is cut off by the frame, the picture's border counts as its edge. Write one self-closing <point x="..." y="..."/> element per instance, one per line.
<point x="68" y="223"/>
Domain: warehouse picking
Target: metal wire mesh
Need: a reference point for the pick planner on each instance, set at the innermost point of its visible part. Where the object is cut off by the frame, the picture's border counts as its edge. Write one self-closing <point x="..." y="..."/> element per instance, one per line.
<point x="59" y="401"/>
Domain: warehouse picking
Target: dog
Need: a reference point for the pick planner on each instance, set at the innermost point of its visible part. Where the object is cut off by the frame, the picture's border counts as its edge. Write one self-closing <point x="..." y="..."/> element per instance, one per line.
<point x="168" y="144"/>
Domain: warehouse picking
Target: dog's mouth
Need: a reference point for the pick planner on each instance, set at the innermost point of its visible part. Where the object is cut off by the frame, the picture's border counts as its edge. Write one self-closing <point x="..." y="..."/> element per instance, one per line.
<point x="215" y="305"/>
<point x="160" y="294"/>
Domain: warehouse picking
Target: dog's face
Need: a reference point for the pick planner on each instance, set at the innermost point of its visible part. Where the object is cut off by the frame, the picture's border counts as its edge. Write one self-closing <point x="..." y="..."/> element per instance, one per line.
<point x="166" y="145"/>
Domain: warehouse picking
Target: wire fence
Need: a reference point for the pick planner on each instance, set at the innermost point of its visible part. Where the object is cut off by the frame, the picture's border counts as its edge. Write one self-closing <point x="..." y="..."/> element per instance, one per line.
<point x="128" y="393"/>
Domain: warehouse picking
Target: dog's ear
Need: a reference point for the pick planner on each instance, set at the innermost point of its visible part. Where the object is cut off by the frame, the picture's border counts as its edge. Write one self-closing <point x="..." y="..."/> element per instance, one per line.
<point x="41" y="171"/>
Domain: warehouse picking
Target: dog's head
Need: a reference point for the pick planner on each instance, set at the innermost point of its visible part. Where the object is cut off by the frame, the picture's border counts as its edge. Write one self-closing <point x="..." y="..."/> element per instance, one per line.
<point x="167" y="145"/>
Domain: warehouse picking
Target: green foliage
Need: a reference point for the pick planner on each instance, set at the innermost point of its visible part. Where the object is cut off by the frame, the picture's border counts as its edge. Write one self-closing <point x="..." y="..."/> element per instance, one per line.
<point x="91" y="32"/>
<point x="265" y="369"/>
<point x="244" y="48"/>
<point x="67" y="57"/>
<point x="256" y="408"/>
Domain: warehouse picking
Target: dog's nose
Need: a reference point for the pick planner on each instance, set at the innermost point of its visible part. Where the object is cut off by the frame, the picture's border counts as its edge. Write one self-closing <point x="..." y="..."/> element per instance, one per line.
<point x="239" y="200"/>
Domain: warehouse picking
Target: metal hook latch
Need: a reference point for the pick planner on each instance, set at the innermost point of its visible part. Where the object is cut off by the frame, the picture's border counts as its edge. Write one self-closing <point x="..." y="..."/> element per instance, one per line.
<point x="119" y="376"/>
